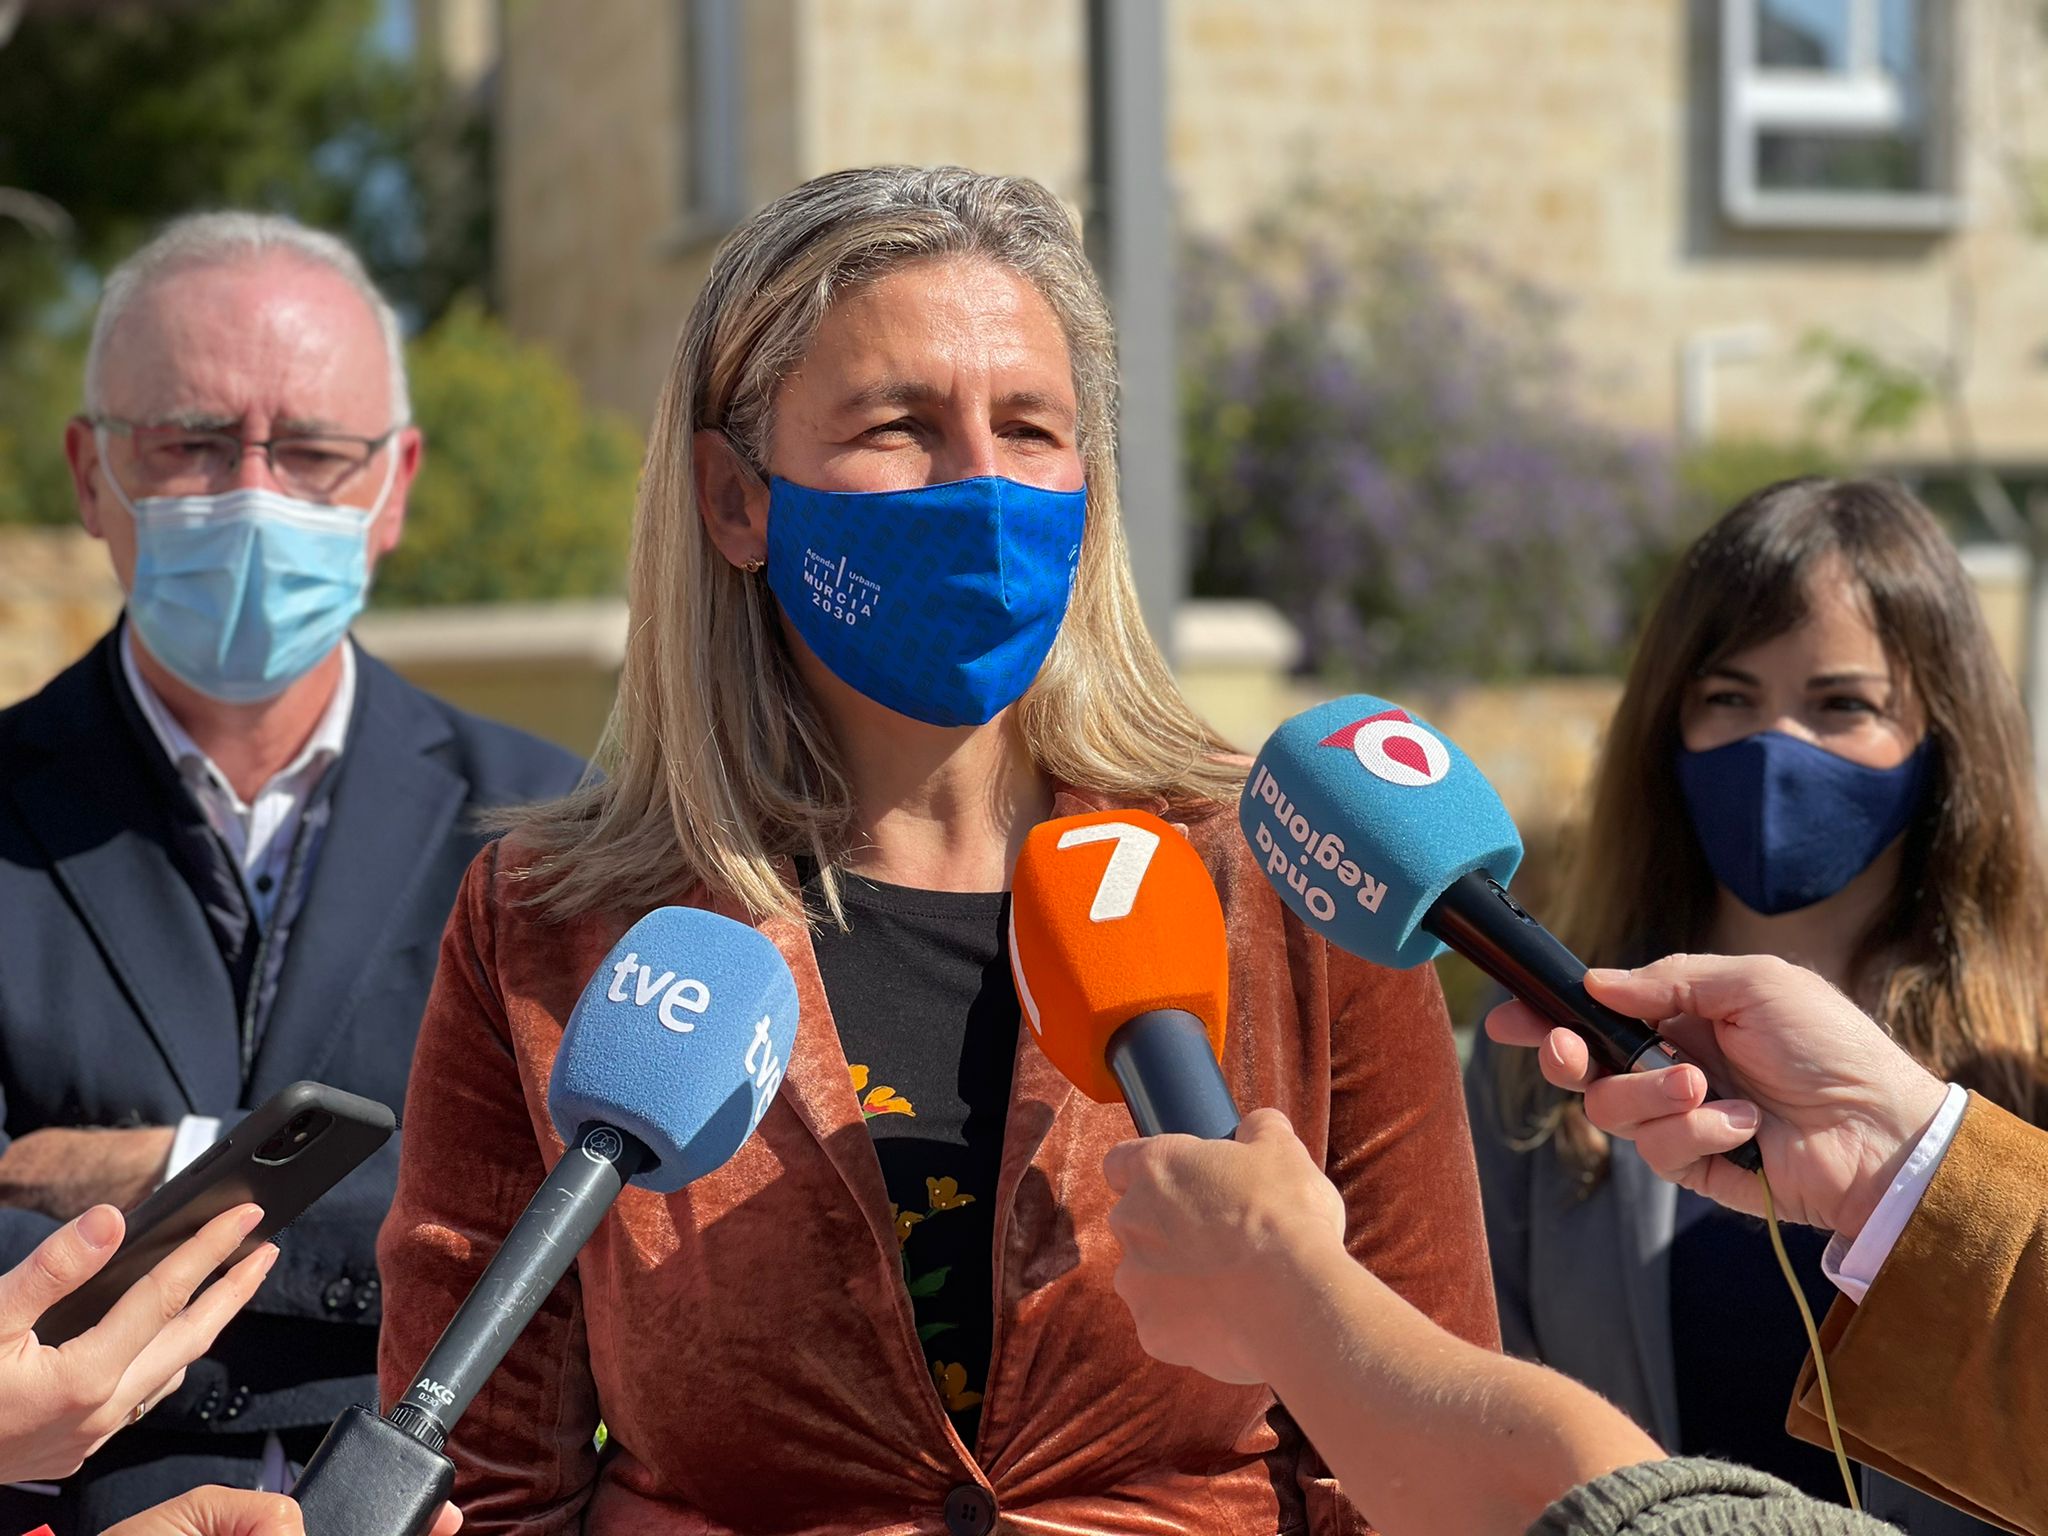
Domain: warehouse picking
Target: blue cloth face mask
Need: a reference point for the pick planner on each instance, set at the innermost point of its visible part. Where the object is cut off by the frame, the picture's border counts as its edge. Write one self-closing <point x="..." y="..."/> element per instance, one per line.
<point x="1785" y="824"/>
<point x="244" y="592"/>
<point x="940" y="602"/>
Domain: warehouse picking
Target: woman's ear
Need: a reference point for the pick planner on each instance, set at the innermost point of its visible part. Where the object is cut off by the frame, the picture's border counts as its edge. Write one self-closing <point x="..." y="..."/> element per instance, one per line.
<point x="731" y="499"/>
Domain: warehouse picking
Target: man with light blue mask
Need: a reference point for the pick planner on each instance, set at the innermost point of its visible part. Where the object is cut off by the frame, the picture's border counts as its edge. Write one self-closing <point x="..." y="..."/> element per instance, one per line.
<point x="228" y="840"/>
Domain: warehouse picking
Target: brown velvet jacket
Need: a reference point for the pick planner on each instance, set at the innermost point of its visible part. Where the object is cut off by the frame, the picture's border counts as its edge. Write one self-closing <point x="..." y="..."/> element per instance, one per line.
<point x="1940" y="1377"/>
<point x="748" y="1342"/>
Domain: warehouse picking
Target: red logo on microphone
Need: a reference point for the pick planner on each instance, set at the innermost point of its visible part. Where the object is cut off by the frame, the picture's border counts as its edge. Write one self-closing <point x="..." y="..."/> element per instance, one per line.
<point x="1391" y="746"/>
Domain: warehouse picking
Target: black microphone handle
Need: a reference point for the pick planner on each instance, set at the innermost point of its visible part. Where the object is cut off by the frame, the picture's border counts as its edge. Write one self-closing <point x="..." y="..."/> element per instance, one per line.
<point x="1170" y="1077"/>
<point x="371" y="1478"/>
<point x="387" y="1477"/>
<point x="543" y="1243"/>
<point x="1481" y="921"/>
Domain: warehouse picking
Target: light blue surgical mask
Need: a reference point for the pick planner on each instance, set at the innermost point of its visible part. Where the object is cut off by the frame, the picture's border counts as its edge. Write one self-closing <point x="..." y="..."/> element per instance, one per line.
<point x="242" y="593"/>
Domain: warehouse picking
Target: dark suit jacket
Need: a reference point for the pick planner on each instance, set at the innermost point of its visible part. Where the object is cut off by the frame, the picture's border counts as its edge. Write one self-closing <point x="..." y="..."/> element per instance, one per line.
<point x="117" y="1009"/>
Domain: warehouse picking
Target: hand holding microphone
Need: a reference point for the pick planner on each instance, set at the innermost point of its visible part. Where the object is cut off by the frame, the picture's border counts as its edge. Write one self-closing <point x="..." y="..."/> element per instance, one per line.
<point x="670" y="1058"/>
<point x="1234" y="1263"/>
<point x="1834" y="1105"/>
<point x="1118" y="951"/>
<point x="1384" y="838"/>
<point x="1209" y="1230"/>
<point x="217" y="1511"/>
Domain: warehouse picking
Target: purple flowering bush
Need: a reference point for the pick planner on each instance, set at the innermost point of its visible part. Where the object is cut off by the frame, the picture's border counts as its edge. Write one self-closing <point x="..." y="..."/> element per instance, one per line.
<point x="1382" y="441"/>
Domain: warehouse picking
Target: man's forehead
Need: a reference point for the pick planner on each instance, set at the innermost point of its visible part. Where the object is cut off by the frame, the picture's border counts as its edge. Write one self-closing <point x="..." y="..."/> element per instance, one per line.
<point x="272" y="335"/>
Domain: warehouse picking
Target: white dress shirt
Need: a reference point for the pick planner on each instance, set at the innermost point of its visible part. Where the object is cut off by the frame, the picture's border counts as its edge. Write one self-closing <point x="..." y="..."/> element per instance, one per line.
<point x="1854" y="1266"/>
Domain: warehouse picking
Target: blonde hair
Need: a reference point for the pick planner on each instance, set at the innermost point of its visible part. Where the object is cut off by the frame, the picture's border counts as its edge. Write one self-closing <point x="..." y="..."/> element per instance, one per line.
<point x="716" y="762"/>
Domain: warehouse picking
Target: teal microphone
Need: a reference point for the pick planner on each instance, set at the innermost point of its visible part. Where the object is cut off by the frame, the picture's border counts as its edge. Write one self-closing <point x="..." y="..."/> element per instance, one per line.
<point x="1384" y="838"/>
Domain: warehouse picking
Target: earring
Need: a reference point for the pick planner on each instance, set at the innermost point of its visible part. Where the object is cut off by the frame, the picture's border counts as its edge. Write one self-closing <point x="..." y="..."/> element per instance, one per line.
<point x="752" y="567"/>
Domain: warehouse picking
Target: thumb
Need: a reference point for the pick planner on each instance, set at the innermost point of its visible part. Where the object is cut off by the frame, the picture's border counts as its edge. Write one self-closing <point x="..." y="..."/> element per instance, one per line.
<point x="61" y="1263"/>
<point x="1264" y="1126"/>
<point x="218" y="1512"/>
<point x="1120" y="1166"/>
<point x="1670" y="986"/>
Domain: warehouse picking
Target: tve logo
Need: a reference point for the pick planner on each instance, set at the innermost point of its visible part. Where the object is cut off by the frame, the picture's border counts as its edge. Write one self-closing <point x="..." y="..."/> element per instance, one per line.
<point x="1393" y="747"/>
<point x="645" y="987"/>
<point x="763" y="1066"/>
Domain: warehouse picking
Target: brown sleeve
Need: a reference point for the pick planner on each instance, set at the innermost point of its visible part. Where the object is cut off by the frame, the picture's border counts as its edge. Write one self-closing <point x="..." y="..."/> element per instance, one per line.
<point x="1400" y="1152"/>
<point x="471" y="1161"/>
<point x="1938" y="1376"/>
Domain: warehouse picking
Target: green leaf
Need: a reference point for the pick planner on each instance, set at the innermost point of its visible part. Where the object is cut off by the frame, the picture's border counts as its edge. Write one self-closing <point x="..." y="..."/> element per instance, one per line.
<point x="928" y="1284"/>
<point x="928" y="1331"/>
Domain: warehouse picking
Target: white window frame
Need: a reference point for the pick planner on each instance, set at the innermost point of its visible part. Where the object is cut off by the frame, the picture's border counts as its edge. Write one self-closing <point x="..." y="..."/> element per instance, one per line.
<point x="1756" y="100"/>
<point x="711" y="121"/>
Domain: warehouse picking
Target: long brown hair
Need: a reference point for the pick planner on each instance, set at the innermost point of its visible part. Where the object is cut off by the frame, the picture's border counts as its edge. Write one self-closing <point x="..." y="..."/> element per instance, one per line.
<point x="1956" y="966"/>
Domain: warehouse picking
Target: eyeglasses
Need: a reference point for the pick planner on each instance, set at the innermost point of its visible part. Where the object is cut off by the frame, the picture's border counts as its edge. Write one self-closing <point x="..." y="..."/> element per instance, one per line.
<point x="184" y="461"/>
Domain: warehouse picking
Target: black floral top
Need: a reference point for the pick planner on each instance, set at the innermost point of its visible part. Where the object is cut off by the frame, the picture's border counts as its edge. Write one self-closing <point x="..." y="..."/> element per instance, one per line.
<point x="920" y="989"/>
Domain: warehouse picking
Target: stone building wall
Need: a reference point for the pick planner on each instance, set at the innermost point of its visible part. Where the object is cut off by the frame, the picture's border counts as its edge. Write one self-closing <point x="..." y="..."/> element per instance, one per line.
<point x="57" y="595"/>
<point x="1573" y="138"/>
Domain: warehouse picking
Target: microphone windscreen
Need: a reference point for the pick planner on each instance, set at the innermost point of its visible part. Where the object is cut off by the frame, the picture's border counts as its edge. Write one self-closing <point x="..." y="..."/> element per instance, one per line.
<point x="1361" y="816"/>
<point x="681" y="1037"/>
<point x="1112" y="914"/>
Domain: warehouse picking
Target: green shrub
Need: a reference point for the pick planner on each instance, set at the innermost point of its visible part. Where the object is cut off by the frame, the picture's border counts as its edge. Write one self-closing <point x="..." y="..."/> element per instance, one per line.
<point x="1716" y="475"/>
<point x="526" y="492"/>
<point x="41" y="384"/>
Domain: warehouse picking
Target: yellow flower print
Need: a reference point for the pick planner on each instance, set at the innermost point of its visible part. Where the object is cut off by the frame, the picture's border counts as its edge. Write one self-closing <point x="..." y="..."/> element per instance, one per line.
<point x="952" y="1385"/>
<point x="945" y="1194"/>
<point x="904" y="1220"/>
<point x="879" y="1100"/>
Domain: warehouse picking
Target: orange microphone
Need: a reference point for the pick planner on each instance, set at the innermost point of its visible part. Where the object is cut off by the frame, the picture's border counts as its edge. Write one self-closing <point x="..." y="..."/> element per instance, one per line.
<point x="1116" y="943"/>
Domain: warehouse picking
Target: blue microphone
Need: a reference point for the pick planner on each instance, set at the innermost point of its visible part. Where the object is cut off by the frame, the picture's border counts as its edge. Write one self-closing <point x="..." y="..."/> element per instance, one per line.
<point x="680" y="1040"/>
<point x="1385" y="839"/>
<point x="669" y="1060"/>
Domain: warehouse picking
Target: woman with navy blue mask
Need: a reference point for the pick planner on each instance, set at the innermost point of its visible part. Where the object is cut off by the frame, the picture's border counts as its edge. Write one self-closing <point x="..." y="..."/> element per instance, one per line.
<point x="1818" y="755"/>
<point x="883" y="625"/>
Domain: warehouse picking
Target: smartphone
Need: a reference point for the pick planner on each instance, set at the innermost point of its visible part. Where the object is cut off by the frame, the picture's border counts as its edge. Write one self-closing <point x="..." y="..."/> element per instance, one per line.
<point x="294" y="1147"/>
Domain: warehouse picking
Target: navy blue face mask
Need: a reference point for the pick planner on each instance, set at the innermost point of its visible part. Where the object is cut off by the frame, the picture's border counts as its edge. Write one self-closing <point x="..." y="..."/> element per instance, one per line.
<point x="1785" y="823"/>
<point x="941" y="601"/>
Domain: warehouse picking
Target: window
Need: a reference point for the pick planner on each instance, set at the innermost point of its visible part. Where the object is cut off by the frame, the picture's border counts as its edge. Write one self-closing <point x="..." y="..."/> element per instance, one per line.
<point x="1836" y="114"/>
<point x="712" y="197"/>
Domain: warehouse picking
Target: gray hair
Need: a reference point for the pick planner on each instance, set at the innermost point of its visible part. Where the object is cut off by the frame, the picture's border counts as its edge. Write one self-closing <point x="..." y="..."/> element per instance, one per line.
<point x="216" y="239"/>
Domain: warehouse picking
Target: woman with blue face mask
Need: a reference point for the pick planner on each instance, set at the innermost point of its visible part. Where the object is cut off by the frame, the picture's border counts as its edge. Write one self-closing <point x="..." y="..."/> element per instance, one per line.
<point x="1819" y="756"/>
<point x="883" y="625"/>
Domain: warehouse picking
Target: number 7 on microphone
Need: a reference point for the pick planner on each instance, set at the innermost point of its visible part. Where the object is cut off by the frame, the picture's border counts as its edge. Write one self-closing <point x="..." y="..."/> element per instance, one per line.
<point x="1117" y="892"/>
<point x="1101" y="936"/>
